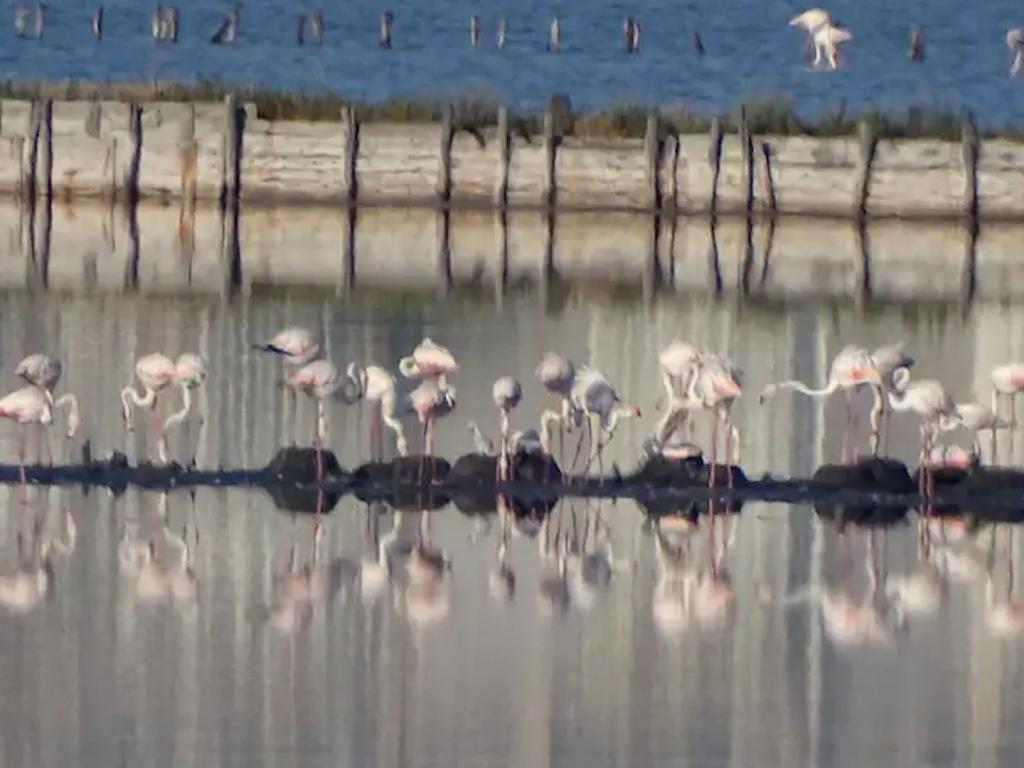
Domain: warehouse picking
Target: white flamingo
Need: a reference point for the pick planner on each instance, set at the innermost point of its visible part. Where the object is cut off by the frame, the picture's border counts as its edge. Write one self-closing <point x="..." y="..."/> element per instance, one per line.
<point x="506" y="394"/>
<point x="594" y="395"/>
<point x="429" y="360"/>
<point x="928" y="399"/>
<point x="29" y="405"/>
<point x="1015" y="42"/>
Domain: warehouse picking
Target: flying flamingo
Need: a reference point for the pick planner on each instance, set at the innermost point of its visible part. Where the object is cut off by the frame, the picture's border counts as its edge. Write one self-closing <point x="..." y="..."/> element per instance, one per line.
<point x="1015" y="42"/>
<point x="928" y="399"/>
<point x="506" y="393"/>
<point x="716" y="386"/>
<point x="321" y="380"/>
<point x="557" y="374"/>
<point x="852" y="367"/>
<point x="594" y="395"/>
<point x="429" y="361"/>
<point x="29" y="405"/>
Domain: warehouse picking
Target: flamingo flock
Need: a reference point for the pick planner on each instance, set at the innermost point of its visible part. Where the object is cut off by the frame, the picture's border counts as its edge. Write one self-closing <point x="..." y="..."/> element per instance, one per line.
<point x="589" y="408"/>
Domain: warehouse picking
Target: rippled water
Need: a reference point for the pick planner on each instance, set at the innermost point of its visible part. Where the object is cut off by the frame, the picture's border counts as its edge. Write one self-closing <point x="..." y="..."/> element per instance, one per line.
<point x="767" y="639"/>
<point x="750" y="52"/>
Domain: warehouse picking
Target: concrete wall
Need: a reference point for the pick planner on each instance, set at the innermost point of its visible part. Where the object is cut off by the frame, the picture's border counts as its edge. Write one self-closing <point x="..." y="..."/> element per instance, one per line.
<point x="187" y="152"/>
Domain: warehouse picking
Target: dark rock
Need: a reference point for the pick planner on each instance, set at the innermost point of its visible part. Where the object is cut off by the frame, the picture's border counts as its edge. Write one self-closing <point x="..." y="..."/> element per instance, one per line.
<point x="299" y="465"/>
<point x="867" y="474"/>
<point x="691" y="472"/>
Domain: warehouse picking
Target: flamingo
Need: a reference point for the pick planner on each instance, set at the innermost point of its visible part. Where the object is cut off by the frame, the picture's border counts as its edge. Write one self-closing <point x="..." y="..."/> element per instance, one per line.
<point x="379" y="390"/>
<point x="594" y="395"/>
<point x="852" y="367"/>
<point x="1007" y="381"/>
<point x="321" y="380"/>
<point x="189" y="374"/>
<point x="1015" y="42"/>
<point x="716" y="387"/>
<point x="506" y="393"/>
<point x="979" y="418"/>
<point x="678" y="363"/>
<point x="936" y="409"/>
<point x="429" y="361"/>
<point x="481" y="443"/>
<point x="887" y="360"/>
<point x="557" y="374"/>
<point x="430" y="401"/>
<point x="297" y="346"/>
<point x="29" y="405"/>
<point x="42" y="370"/>
<point x="155" y="372"/>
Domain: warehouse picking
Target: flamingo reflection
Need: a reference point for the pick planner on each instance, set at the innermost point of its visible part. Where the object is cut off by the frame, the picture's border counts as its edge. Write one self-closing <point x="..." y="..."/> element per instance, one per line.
<point x="590" y="561"/>
<point x="159" y="564"/>
<point x="428" y="595"/>
<point x="1004" y="611"/>
<point x="26" y="582"/>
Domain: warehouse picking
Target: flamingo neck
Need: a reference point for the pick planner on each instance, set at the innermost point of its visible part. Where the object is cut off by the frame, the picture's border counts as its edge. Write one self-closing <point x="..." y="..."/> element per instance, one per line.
<point x="182" y="413"/>
<point x="799" y="386"/>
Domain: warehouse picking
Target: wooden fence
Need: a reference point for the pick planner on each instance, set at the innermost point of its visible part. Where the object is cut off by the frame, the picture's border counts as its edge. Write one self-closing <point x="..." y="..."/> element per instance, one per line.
<point x="191" y="153"/>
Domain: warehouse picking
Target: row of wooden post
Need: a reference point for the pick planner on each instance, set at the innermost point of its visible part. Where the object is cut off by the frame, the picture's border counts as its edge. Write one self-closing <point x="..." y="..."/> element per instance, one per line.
<point x="661" y="147"/>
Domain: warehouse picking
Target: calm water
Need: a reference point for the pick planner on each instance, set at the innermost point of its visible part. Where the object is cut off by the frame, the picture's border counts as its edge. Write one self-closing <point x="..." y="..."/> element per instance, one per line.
<point x="205" y="631"/>
<point x="750" y="52"/>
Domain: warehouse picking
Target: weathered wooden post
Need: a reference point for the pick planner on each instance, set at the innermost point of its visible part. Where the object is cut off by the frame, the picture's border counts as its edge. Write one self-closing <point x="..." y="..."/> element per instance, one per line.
<point x="30" y="153"/>
<point x="474" y="30"/>
<point x="970" y="149"/>
<point x="868" y="142"/>
<point x="444" y="176"/>
<point x="767" y="177"/>
<point x="652" y="155"/>
<point x="351" y="122"/>
<point x="503" y="143"/>
<point x="387" y="19"/>
<point x="717" y="135"/>
<point x="550" y="188"/>
<point x="130" y="183"/>
<point x="188" y="152"/>
<point x="502" y="32"/>
<point x="232" y="149"/>
<point x="97" y="22"/>
<point x="747" y="153"/>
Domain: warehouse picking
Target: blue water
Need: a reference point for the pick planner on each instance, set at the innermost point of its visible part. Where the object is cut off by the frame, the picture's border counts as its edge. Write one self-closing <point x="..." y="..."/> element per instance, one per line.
<point x="750" y="52"/>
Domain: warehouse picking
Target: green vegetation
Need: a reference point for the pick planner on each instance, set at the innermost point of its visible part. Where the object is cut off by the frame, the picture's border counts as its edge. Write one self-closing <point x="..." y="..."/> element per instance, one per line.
<point x="772" y="115"/>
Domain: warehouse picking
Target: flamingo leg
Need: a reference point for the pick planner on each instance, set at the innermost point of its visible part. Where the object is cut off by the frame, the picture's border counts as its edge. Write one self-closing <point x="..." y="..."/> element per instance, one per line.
<point x="21" y="457"/>
<point x="712" y="471"/>
<point x="431" y="424"/>
<point x="877" y="409"/>
<point x="376" y="433"/>
<point x="994" y="446"/>
<point x="1013" y="422"/>
<point x="728" y="450"/>
<point x="423" y="448"/>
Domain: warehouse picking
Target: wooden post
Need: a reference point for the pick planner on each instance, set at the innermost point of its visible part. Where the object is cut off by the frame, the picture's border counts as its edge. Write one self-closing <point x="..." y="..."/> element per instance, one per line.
<point x="652" y="154"/>
<point x="44" y="158"/>
<point x="747" y="152"/>
<point x="444" y="176"/>
<point x="768" y="179"/>
<point x="715" y="161"/>
<point x="130" y="183"/>
<point x="504" y="158"/>
<point x="670" y="151"/>
<point x="351" y="153"/>
<point x="232" y="144"/>
<point x="868" y="142"/>
<point x="94" y="120"/>
<point x="550" y="188"/>
<point x="30" y="152"/>
<point x="970" y="149"/>
<point x="188" y="152"/>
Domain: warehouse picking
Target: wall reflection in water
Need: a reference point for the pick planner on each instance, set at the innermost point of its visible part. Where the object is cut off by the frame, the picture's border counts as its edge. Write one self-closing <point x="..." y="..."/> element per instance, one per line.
<point x="210" y="628"/>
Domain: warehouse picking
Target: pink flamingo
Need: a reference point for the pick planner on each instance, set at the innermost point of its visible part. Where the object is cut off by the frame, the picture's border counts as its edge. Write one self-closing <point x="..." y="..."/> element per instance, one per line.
<point x="431" y="400"/>
<point x="852" y="367"/>
<point x="321" y="380"/>
<point x="189" y="374"/>
<point x="157" y="372"/>
<point x="678" y="362"/>
<point x="297" y="346"/>
<point x="1007" y="382"/>
<point x="716" y="386"/>
<point x="594" y="395"/>
<point x="29" y="405"/>
<point x="429" y="361"/>
<point x="557" y="374"/>
<point x="507" y="393"/>
<point x="928" y="399"/>
<point x="44" y="371"/>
